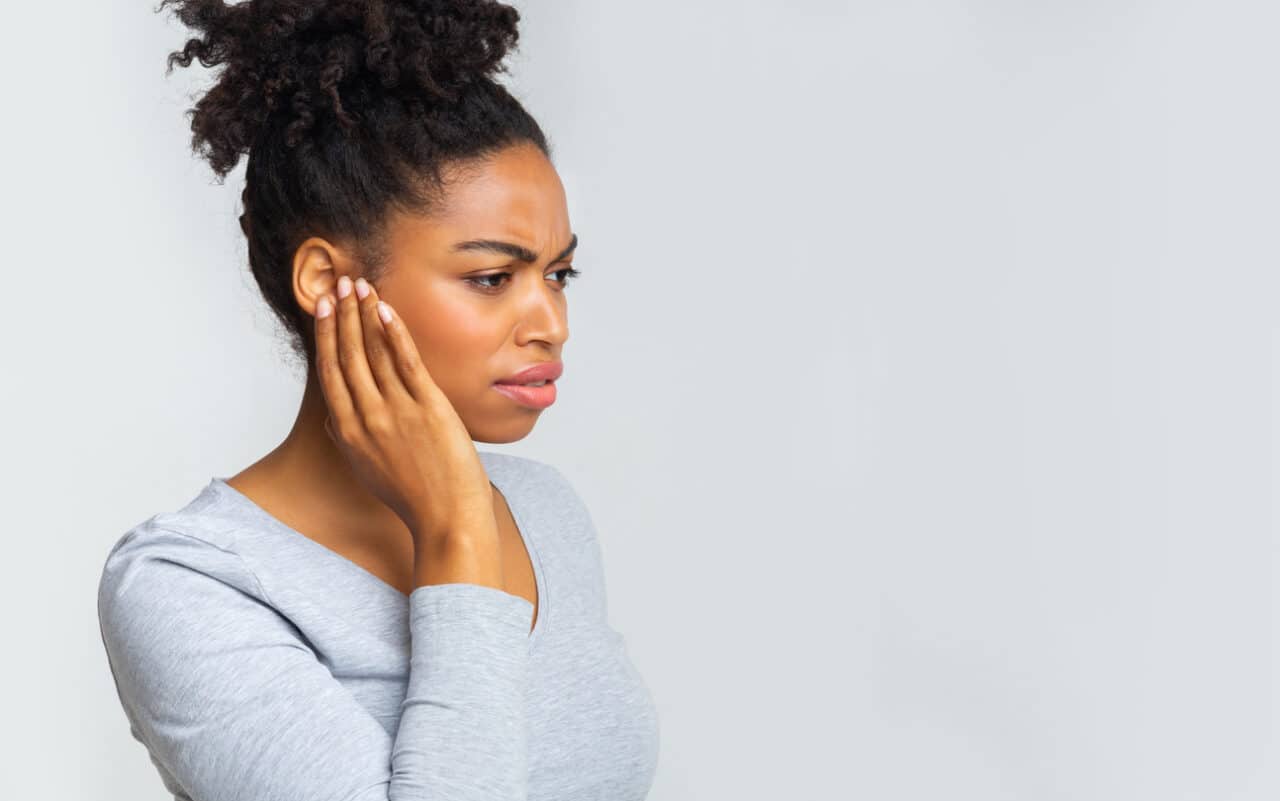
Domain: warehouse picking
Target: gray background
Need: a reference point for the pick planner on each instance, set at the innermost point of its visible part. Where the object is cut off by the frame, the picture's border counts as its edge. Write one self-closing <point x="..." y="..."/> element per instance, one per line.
<point x="921" y="384"/>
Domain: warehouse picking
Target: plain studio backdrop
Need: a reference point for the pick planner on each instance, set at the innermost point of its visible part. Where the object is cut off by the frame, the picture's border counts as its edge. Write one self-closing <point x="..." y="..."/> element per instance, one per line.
<point x="922" y="382"/>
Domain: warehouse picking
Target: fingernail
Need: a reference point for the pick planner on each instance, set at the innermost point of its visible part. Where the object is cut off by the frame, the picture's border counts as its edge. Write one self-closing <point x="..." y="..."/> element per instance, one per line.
<point x="323" y="308"/>
<point x="384" y="311"/>
<point x="344" y="286"/>
<point x="362" y="288"/>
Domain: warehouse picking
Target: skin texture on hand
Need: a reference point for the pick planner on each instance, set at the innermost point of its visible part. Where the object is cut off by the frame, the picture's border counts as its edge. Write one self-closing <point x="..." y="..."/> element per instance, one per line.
<point x="397" y="431"/>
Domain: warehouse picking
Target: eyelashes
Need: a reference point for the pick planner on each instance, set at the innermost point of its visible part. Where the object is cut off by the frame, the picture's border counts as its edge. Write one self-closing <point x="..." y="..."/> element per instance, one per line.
<point x="570" y="274"/>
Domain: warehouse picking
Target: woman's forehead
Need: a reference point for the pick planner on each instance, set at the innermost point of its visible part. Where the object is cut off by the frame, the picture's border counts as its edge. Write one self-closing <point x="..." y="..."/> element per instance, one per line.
<point x="517" y="183"/>
<point x="510" y="198"/>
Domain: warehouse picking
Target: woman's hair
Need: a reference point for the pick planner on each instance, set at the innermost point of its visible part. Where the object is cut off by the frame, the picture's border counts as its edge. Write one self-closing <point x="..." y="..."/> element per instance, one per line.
<point x="348" y="110"/>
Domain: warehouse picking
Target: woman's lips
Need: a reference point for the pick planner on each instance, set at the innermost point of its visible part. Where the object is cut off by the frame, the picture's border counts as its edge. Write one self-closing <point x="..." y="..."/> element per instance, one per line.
<point x="531" y="397"/>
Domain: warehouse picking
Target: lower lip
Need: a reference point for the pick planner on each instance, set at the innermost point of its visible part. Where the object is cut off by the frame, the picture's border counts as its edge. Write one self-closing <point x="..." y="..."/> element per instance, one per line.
<point x="532" y="397"/>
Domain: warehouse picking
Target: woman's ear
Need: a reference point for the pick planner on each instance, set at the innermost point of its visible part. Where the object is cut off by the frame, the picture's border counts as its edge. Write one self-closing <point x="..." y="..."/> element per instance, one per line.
<point x="317" y="265"/>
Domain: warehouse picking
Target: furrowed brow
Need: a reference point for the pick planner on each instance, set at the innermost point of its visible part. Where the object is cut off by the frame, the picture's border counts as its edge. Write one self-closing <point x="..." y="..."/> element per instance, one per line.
<point x="509" y="248"/>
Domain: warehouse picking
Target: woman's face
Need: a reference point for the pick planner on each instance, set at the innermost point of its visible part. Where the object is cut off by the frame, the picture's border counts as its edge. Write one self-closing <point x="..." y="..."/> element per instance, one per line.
<point x="476" y="313"/>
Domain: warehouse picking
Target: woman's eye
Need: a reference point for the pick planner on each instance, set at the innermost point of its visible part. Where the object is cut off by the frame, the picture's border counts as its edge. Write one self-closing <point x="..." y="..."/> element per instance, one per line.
<point x="477" y="279"/>
<point x="569" y="274"/>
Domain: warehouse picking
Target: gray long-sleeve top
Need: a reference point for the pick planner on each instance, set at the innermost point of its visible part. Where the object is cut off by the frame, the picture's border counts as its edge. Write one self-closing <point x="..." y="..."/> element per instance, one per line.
<point x="255" y="664"/>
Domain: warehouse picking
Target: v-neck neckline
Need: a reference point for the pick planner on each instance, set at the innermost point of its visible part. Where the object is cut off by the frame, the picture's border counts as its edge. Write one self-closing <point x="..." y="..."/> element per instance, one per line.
<point x="514" y="505"/>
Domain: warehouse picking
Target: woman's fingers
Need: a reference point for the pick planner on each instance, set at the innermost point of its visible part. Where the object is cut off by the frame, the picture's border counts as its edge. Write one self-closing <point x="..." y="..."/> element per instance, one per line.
<point x="329" y="370"/>
<point x="376" y="345"/>
<point x="413" y="373"/>
<point x="363" y="389"/>
<point x="366" y="359"/>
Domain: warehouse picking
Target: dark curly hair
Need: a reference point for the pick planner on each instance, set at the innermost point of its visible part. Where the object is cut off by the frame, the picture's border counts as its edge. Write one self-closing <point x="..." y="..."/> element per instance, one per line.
<point x="348" y="110"/>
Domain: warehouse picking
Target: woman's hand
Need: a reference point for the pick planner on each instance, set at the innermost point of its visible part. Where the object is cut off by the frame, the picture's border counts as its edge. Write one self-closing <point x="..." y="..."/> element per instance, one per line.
<point x="403" y="439"/>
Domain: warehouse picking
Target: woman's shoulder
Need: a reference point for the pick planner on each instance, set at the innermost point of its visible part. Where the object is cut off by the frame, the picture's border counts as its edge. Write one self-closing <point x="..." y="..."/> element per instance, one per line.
<point x="170" y="552"/>
<point x="544" y="489"/>
<point x="514" y="464"/>
<point x="542" y="478"/>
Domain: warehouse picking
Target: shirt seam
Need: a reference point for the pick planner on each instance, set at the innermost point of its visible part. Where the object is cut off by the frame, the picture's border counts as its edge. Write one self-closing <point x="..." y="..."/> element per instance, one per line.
<point x="239" y="557"/>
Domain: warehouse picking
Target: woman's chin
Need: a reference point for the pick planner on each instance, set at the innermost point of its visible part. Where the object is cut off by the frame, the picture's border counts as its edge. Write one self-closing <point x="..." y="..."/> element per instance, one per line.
<point x="512" y="428"/>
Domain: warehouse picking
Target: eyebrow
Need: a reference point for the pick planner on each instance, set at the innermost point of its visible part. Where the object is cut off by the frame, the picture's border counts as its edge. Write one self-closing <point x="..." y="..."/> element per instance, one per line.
<point x="510" y="248"/>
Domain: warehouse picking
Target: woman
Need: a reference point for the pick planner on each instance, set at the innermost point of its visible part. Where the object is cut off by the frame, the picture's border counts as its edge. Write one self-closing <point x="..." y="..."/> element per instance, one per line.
<point x="375" y="609"/>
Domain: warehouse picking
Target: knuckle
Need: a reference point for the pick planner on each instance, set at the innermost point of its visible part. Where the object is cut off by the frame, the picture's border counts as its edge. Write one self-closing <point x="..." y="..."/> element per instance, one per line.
<point x="341" y="429"/>
<point x="379" y="423"/>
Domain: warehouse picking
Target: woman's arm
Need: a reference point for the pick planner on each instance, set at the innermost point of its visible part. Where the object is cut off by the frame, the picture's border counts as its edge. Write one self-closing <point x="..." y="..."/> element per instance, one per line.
<point x="232" y="701"/>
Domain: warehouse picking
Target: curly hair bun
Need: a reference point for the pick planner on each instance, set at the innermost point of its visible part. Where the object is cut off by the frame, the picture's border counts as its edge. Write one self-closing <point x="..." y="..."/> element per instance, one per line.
<point x="312" y="64"/>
